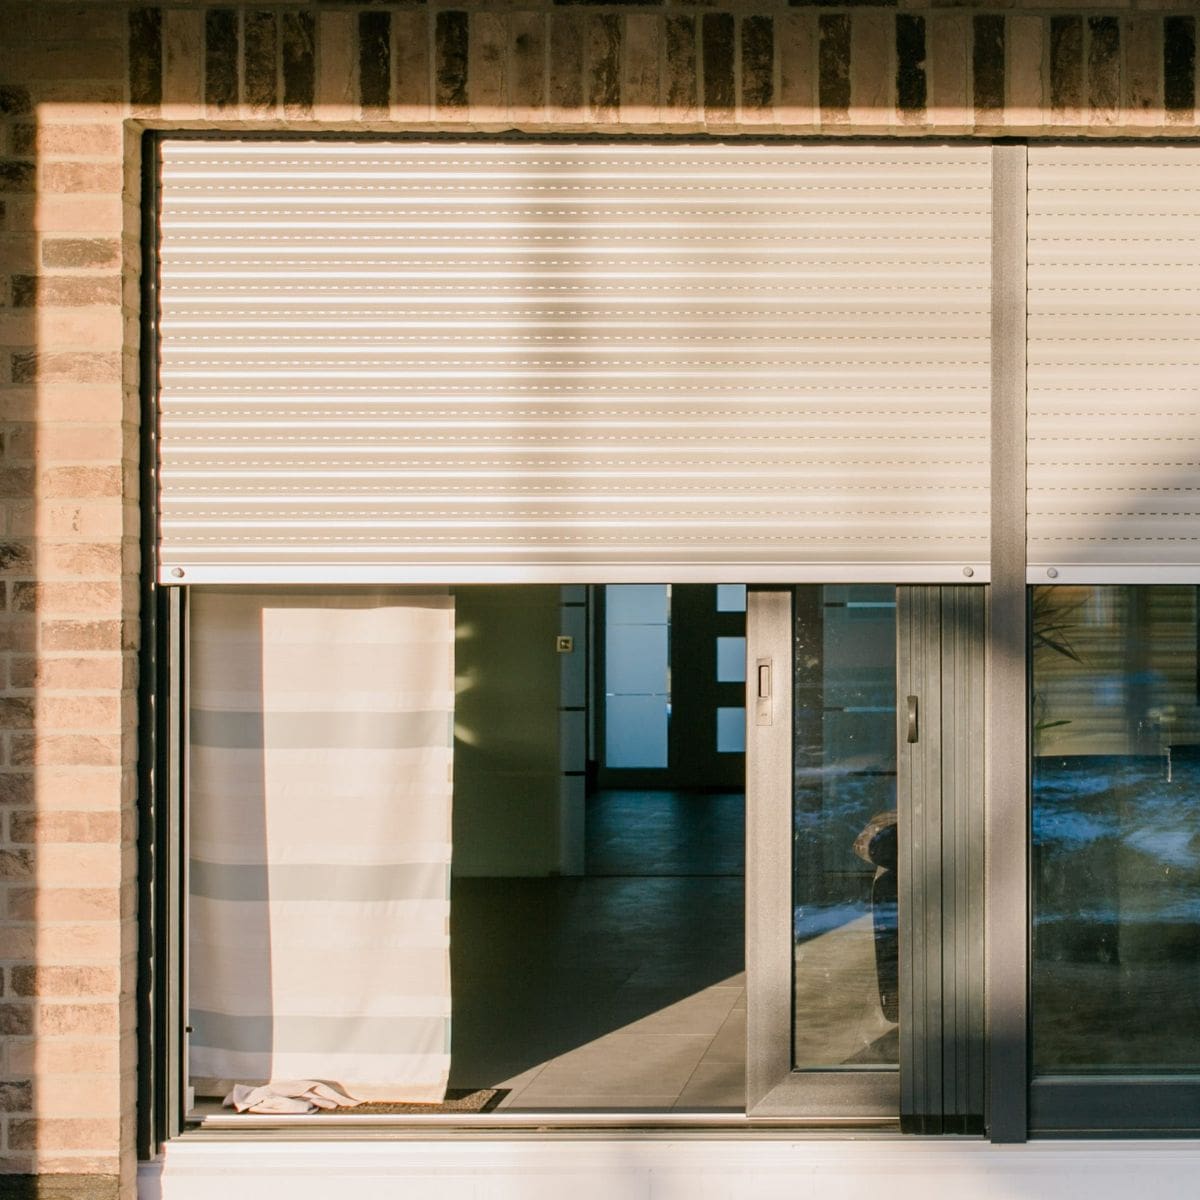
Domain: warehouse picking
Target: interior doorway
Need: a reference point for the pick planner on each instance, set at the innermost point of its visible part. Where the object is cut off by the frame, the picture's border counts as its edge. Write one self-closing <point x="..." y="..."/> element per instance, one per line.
<point x="597" y="911"/>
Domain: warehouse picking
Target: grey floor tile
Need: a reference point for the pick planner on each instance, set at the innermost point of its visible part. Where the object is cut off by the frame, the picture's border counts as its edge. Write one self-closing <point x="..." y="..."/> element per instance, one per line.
<point x="715" y="1085"/>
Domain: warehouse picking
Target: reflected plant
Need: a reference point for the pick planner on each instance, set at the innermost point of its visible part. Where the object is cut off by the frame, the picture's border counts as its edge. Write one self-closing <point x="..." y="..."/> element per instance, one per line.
<point x="1052" y="623"/>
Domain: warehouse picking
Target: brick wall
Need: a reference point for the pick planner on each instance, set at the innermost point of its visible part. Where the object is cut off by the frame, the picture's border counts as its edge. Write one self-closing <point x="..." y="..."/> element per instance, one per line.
<point x="78" y="81"/>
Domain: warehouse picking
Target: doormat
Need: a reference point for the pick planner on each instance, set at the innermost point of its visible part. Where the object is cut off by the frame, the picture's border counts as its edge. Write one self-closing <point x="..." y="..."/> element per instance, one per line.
<point x="458" y="1100"/>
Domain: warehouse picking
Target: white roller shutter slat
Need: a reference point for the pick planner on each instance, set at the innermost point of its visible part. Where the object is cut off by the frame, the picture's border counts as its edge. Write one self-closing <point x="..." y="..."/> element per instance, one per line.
<point x="445" y="362"/>
<point x="1114" y="362"/>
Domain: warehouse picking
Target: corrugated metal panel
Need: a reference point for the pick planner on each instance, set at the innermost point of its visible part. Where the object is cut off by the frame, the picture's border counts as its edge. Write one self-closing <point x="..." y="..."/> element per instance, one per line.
<point x="477" y="361"/>
<point x="1114" y="359"/>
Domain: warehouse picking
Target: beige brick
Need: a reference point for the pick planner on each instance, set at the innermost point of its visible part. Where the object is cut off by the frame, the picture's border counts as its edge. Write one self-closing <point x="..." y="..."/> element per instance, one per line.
<point x="337" y="67"/>
<point x="72" y="982"/>
<point x="77" y="788"/>
<point x="93" y="941"/>
<point x="410" y="65"/>
<point x="81" y="635"/>
<point x="948" y="50"/>
<point x="64" y="904"/>
<point x="796" y="34"/>
<point x="82" y="482"/>
<point x="80" y="558"/>
<point x="96" y="714"/>
<point x="81" y="252"/>
<point x="873" y="68"/>
<point x="26" y="1056"/>
<point x="487" y="67"/>
<point x="79" y="442"/>
<point x="67" y="598"/>
<point x="67" y="750"/>
<point x="97" y="139"/>
<point x="77" y="1096"/>
<point x="81" y="866"/>
<point x="68" y="214"/>
<point x="97" y="672"/>
<point x="72" y="402"/>
<point x="66" y="367"/>
<point x="81" y="177"/>
<point x="62" y="1133"/>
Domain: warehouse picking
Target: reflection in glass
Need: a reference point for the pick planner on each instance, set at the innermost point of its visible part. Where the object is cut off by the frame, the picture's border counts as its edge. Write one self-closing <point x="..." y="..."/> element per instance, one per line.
<point x="844" y="861"/>
<point x="1116" y="830"/>
<point x="731" y="660"/>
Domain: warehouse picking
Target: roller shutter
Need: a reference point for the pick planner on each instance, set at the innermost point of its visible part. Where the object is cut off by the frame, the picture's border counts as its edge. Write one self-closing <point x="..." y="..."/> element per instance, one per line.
<point x="477" y="361"/>
<point x="1114" y="362"/>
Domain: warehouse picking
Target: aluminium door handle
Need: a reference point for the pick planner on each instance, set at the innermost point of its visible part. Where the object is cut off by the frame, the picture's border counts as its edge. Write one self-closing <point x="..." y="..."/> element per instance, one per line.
<point x="912" y="721"/>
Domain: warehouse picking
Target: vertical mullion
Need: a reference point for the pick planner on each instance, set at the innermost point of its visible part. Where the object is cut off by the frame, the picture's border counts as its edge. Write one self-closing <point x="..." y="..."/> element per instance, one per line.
<point x="769" y="839"/>
<point x="1006" y="816"/>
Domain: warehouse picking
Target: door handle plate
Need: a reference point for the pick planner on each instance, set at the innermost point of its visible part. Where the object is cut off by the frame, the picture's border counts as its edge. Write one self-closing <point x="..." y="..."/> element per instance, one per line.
<point x="912" y="721"/>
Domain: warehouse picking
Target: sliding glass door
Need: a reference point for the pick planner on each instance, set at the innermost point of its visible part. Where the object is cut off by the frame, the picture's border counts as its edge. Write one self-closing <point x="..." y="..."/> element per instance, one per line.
<point x="864" y="913"/>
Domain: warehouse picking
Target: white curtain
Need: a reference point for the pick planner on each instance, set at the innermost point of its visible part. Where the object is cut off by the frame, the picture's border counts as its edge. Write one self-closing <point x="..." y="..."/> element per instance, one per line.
<point x="319" y="791"/>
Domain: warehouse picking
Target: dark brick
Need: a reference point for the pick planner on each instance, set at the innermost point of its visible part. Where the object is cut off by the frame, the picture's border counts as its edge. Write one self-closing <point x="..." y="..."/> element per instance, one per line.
<point x="16" y="1095"/>
<point x="566" y="61"/>
<point x="16" y="1019"/>
<point x="451" y="39"/>
<point x="1104" y="63"/>
<point x="375" y="61"/>
<point x="16" y="176"/>
<point x="15" y="101"/>
<point x="1179" y="64"/>
<point x="833" y="79"/>
<point x="16" y="482"/>
<point x="911" y="84"/>
<point x="614" y="3"/>
<point x="1066" y="62"/>
<point x="843" y="3"/>
<point x="220" y="57"/>
<point x="16" y="788"/>
<point x="299" y="64"/>
<point x="716" y="49"/>
<point x="758" y="61"/>
<point x="22" y="141"/>
<point x="56" y="1186"/>
<point x="15" y="556"/>
<point x="16" y="864"/>
<point x="679" y="62"/>
<point x="987" y="61"/>
<point x="261" y="68"/>
<point x="3" y="215"/>
<point x="604" y="62"/>
<point x="16" y="712"/>
<point x="145" y="56"/>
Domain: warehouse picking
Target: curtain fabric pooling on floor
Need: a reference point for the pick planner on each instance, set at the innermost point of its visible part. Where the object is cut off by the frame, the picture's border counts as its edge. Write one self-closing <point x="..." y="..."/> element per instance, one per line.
<point x="319" y="798"/>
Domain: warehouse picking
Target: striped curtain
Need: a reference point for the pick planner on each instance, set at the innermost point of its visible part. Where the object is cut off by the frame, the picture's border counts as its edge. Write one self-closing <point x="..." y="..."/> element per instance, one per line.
<point x="319" y="812"/>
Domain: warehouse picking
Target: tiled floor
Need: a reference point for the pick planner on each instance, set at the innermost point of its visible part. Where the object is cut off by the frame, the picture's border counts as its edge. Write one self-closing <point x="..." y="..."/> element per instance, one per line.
<point x="622" y="989"/>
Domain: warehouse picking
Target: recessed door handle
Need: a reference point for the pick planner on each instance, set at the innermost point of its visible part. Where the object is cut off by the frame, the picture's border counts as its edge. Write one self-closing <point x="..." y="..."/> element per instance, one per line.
<point x="914" y="729"/>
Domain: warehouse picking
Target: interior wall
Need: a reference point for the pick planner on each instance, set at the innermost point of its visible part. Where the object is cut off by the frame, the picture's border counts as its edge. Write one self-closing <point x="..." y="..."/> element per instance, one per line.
<point x="507" y="818"/>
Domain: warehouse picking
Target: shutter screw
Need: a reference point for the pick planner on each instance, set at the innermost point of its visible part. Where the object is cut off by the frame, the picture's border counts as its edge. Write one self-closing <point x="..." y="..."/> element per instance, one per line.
<point x="1051" y="572"/>
<point x="177" y="572"/>
<point x="968" y="571"/>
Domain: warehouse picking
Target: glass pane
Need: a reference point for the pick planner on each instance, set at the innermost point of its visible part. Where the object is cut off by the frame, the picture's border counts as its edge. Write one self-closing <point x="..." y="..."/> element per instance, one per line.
<point x="636" y="603"/>
<point x="636" y="731"/>
<point x="731" y="730"/>
<point x="636" y="660"/>
<point x="844" y="885"/>
<point x="1116" y="830"/>
<point x="731" y="597"/>
<point x="731" y="660"/>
